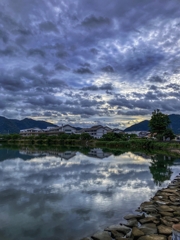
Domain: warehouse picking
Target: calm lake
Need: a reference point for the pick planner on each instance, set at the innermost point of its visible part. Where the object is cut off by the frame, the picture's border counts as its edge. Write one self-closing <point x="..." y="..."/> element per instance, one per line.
<point x="68" y="195"/>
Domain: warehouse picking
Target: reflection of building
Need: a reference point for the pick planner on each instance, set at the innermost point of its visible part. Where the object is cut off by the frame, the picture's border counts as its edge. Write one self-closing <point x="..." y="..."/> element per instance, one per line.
<point x="177" y="162"/>
<point x="97" y="152"/>
<point x="65" y="155"/>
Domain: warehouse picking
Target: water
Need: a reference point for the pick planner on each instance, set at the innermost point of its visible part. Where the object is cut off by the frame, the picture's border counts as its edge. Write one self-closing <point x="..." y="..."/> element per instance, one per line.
<point x="62" y="196"/>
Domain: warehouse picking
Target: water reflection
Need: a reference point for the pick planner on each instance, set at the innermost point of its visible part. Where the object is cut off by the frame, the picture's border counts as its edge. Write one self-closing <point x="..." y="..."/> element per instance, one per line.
<point x="67" y="195"/>
<point x="160" y="168"/>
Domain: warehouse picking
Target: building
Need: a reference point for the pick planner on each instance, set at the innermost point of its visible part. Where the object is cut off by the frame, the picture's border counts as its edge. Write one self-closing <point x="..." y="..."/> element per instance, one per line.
<point x="97" y="131"/>
<point x="68" y="129"/>
<point x="31" y="132"/>
<point x="117" y="130"/>
<point x="51" y="131"/>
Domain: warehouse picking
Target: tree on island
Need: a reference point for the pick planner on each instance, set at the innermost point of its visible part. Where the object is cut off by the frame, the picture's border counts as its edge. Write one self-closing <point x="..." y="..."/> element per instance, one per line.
<point x="159" y="124"/>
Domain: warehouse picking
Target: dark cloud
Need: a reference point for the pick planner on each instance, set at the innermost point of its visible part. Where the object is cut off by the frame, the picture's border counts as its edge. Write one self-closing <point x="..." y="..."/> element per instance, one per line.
<point x="108" y="69"/>
<point x="95" y="21"/>
<point x="101" y="56"/>
<point x="9" y="51"/>
<point x="83" y="70"/>
<point x="153" y="87"/>
<point x="134" y="113"/>
<point x="36" y="52"/>
<point x="173" y="86"/>
<point x="48" y="27"/>
<point x="3" y="36"/>
<point x="156" y="79"/>
<point x="106" y="86"/>
<point x="44" y="101"/>
<point x="61" y="67"/>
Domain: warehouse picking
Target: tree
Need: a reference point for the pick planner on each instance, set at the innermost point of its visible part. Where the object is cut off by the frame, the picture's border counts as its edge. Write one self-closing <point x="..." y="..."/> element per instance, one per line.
<point x="168" y="133"/>
<point x="86" y="136"/>
<point x="159" y="122"/>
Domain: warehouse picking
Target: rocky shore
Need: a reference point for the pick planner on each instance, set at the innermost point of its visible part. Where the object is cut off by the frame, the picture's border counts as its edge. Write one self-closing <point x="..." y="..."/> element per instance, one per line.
<point x="154" y="220"/>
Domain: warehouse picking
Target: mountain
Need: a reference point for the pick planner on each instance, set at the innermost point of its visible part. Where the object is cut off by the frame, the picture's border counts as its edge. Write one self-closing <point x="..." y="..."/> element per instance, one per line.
<point x="14" y="125"/>
<point x="143" y="126"/>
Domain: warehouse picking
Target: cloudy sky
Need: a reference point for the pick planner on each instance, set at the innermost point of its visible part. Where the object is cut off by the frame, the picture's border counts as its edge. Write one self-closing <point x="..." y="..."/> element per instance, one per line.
<point x="87" y="62"/>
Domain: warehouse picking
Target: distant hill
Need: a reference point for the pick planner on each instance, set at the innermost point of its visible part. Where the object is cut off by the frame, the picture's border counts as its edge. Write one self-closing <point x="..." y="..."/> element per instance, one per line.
<point x="143" y="126"/>
<point x="14" y="125"/>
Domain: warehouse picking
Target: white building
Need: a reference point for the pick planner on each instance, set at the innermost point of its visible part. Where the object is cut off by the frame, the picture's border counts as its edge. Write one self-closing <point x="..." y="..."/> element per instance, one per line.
<point x="68" y="129"/>
<point x="97" y="131"/>
<point x="31" y="131"/>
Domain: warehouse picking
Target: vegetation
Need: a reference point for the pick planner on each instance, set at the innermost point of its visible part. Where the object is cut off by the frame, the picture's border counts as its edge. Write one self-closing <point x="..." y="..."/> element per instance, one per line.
<point x="159" y="124"/>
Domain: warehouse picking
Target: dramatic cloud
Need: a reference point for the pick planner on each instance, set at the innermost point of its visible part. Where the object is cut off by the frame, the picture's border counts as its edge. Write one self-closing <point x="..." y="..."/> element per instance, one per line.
<point x="88" y="61"/>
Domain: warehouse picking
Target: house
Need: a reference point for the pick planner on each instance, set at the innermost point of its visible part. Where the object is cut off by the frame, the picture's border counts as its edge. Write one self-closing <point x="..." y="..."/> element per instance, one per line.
<point x="68" y="129"/>
<point x="31" y="132"/>
<point x="96" y="131"/>
<point x="52" y="131"/>
<point x="117" y="130"/>
<point x="143" y="134"/>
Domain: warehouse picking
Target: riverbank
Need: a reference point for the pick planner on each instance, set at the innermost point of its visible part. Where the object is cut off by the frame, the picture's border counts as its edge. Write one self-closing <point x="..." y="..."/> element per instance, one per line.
<point x="151" y="146"/>
<point x="154" y="221"/>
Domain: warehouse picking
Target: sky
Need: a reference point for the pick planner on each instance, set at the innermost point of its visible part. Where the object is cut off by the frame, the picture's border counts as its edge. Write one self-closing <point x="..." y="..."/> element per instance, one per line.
<point x="89" y="62"/>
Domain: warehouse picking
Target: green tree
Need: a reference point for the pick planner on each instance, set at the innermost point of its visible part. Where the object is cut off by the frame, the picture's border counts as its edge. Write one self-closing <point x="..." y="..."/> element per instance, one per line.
<point x="86" y="136"/>
<point x="159" y="122"/>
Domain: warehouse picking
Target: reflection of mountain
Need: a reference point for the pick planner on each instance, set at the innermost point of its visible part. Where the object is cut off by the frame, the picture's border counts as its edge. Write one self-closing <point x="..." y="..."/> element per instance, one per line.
<point x="160" y="168"/>
<point x="12" y="154"/>
<point x="98" y="153"/>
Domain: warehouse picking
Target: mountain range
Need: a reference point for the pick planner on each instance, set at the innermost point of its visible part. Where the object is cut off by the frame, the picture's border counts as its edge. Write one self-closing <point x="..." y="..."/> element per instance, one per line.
<point x="14" y="126"/>
<point x="8" y="126"/>
<point x="144" y="125"/>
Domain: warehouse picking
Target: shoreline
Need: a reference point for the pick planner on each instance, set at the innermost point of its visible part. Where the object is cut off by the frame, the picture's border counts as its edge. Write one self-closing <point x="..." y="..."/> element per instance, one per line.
<point x="154" y="219"/>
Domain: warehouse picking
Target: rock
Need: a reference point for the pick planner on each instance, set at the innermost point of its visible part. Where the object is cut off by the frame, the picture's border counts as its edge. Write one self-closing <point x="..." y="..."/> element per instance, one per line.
<point x="162" y="202"/>
<point x="148" y="229"/>
<point x="177" y="214"/>
<point x="164" y="229"/>
<point x="167" y="223"/>
<point x="86" y="238"/>
<point x="167" y="214"/>
<point x="170" y="190"/>
<point x="165" y="209"/>
<point x="130" y="216"/>
<point x="147" y="220"/>
<point x="153" y="237"/>
<point x="136" y="233"/>
<point x="170" y="219"/>
<point x="101" y="236"/>
<point x="131" y="223"/>
<point x="124" y="238"/>
<point x="116" y="234"/>
<point x="146" y="204"/>
<point x="174" y="199"/>
<point x="149" y="209"/>
<point x="175" y="208"/>
<point x="119" y="228"/>
<point x="169" y="238"/>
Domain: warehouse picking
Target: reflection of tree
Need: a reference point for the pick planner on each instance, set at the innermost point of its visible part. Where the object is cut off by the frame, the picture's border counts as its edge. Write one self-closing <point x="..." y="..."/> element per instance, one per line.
<point x="160" y="168"/>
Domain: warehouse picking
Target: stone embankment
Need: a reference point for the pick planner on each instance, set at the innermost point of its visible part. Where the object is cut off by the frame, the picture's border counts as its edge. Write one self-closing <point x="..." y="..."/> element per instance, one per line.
<point x="154" y="220"/>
